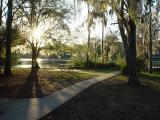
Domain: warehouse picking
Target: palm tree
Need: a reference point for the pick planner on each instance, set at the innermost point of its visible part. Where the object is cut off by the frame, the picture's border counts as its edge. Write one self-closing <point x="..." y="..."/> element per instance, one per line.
<point x="102" y="10"/>
<point x="90" y="23"/>
<point x="99" y="12"/>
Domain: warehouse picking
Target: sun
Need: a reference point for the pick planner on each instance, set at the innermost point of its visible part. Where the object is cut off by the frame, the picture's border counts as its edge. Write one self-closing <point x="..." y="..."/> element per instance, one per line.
<point x="36" y="33"/>
<point x="37" y="37"/>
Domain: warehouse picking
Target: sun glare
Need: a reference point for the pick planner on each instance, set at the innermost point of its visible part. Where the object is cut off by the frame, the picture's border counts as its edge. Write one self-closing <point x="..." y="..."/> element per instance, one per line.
<point x="36" y="33"/>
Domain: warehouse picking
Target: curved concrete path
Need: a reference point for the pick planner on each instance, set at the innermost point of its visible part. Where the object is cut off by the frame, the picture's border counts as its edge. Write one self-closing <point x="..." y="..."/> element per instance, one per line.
<point x="35" y="108"/>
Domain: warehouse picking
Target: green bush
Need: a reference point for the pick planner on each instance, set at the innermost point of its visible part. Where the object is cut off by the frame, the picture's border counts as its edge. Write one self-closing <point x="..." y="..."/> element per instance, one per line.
<point x="89" y="64"/>
<point x="120" y="61"/>
<point x="109" y="65"/>
<point x="124" y="69"/>
<point x="77" y="63"/>
<point x="122" y="64"/>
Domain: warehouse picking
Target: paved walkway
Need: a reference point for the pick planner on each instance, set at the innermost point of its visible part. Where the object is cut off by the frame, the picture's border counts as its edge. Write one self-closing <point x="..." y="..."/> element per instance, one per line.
<point x="35" y="108"/>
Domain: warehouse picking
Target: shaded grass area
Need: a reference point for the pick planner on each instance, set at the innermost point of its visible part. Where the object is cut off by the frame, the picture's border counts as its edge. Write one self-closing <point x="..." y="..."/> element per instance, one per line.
<point x="112" y="99"/>
<point x="25" y="85"/>
<point x="152" y="79"/>
<point x="154" y="75"/>
<point x="99" y="71"/>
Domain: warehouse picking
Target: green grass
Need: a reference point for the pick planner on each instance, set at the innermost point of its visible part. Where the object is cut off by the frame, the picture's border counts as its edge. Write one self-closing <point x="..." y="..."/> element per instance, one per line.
<point x="153" y="75"/>
<point x="49" y="81"/>
<point x="151" y="80"/>
<point x="98" y="71"/>
<point x="148" y="80"/>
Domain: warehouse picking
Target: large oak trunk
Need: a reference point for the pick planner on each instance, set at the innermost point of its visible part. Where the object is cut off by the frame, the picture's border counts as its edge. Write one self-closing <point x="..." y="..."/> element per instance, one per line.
<point x="129" y="43"/>
<point x="7" y="69"/>
<point x="133" y="77"/>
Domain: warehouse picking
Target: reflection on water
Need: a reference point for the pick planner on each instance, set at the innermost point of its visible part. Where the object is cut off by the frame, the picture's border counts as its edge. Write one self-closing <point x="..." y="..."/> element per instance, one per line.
<point x="23" y="66"/>
<point x="43" y="63"/>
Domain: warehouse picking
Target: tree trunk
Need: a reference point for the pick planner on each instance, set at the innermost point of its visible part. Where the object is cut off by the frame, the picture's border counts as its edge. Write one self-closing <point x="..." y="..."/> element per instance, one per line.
<point x="95" y="55"/>
<point x="102" y="41"/>
<point x="35" y="65"/>
<point x="7" y="69"/>
<point x="89" y="33"/>
<point x="107" y="52"/>
<point x="88" y="44"/>
<point x="133" y="77"/>
<point x="129" y="43"/>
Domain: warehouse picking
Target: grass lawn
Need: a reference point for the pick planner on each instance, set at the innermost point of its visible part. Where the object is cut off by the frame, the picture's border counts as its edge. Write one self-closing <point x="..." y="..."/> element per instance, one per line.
<point x="155" y="74"/>
<point x="45" y="82"/>
<point x="99" y="71"/>
<point x="113" y="99"/>
<point x="152" y="80"/>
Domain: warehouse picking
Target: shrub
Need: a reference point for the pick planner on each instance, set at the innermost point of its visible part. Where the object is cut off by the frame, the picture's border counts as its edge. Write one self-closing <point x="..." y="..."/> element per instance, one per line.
<point x="77" y="63"/>
<point x="107" y="66"/>
<point x="89" y="64"/>
<point x="122" y="64"/>
<point x="124" y="69"/>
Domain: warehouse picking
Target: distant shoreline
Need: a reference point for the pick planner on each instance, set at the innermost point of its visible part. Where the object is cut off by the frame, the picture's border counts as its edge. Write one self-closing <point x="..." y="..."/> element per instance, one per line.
<point x="43" y="62"/>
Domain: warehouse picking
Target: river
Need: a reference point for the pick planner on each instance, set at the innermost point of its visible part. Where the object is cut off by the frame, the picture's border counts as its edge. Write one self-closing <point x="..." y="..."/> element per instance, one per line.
<point x="43" y="63"/>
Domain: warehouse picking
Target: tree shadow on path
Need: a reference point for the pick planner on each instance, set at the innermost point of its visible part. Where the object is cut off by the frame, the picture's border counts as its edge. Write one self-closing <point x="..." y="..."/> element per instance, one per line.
<point x="31" y="87"/>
